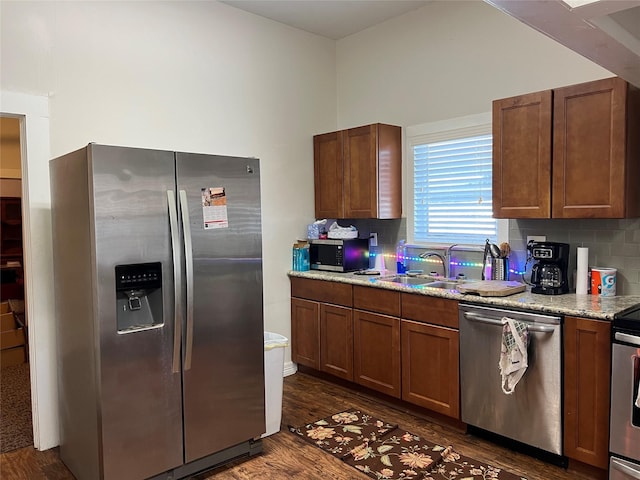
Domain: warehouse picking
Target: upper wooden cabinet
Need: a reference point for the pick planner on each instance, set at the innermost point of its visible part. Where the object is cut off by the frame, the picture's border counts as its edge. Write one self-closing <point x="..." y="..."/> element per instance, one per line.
<point x="328" y="176"/>
<point x="571" y="152"/>
<point x="358" y="172"/>
<point x="522" y="156"/>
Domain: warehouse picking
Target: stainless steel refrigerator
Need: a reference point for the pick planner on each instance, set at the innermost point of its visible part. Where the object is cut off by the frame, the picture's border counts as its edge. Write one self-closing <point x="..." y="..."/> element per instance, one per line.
<point x="158" y="288"/>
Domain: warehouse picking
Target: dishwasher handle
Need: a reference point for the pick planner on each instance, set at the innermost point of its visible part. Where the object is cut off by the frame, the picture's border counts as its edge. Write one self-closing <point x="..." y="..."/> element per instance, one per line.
<point x="476" y="317"/>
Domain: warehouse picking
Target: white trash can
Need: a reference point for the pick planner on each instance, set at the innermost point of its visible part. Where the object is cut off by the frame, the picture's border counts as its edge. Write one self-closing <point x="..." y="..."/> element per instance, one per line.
<point x="274" y="345"/>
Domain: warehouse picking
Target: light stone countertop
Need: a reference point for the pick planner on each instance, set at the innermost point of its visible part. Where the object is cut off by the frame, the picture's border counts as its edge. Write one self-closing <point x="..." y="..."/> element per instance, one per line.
<point x="589" y="306"/>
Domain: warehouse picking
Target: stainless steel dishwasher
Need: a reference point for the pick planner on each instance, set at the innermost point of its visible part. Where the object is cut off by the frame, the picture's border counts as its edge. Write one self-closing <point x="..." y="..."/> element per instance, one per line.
<point x="532" y="414"/>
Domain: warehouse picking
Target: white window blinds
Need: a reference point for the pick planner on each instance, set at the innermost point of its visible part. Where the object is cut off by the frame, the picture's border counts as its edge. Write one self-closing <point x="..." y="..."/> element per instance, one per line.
<point x="452" y="191"/>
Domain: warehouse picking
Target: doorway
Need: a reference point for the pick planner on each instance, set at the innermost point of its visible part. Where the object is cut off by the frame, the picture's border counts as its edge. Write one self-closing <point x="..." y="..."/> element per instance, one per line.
<point x="16" y="425"/>
<point x="39" y="305"/>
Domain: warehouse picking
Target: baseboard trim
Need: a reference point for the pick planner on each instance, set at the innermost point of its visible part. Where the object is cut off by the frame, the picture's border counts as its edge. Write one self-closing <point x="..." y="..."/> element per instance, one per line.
<point x="290" y="368"/>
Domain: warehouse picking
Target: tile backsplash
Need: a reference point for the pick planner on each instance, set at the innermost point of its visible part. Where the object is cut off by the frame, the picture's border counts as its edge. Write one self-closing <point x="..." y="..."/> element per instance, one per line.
<point x="611" y="243"/>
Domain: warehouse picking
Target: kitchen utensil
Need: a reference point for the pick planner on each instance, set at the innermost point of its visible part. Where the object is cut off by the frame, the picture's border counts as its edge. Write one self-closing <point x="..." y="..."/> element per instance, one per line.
<point x="500" y="268"/>
<point x="494" y="250"/>
<point x="505" y="249"/>
<point x="485" y="260"/>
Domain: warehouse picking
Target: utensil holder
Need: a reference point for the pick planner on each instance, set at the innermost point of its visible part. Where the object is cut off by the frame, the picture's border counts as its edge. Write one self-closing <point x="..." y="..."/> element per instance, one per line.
<point x="499" y="269"/>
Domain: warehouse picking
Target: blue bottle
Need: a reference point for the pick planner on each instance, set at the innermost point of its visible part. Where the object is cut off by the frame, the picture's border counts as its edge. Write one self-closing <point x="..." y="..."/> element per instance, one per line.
<point x="401" y="264"/>
<point x="304" y="253"/>
<point x="297" y="257"/>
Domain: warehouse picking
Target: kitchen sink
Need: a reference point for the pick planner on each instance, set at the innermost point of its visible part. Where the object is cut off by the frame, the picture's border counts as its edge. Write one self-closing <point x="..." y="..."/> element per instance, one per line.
<point x="407" y="280"/>
<point x="422" y="281"/>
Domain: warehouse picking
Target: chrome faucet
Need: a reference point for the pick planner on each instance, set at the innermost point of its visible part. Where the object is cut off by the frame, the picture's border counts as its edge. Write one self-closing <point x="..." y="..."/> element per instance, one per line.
<point x="448" y="255"/>
<point x="442" y="260"/>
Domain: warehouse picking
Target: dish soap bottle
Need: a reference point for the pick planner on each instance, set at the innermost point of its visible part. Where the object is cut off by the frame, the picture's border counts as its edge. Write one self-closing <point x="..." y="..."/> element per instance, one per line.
<point x="401" y="265"/>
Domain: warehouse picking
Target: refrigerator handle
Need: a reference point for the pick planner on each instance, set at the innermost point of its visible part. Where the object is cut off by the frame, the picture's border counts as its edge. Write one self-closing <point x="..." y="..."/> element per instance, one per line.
<point x="188" y="253"/>
<point x="175" y="247"/>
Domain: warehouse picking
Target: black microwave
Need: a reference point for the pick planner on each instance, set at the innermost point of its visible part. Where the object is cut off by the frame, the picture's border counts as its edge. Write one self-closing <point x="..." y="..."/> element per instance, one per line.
<point x="338" y="255"/>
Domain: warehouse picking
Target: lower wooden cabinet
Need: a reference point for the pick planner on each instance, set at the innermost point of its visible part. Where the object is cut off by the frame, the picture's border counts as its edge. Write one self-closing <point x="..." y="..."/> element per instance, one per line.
<point x="430" y="374"/>
<point x="430" y="353"/>
<point x="321" y="331"/>
<point x="402" y="345"/>
<point x="407" y="346"/>
<point x="587" y="379"/>
<point x="336" y="340"/>
<point x="305" y="332"/>
<point x="377" y="352"/>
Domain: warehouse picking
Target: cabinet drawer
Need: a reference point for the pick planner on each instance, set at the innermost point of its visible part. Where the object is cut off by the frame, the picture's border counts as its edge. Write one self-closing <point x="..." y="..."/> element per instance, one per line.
<point x="322" y="291"/>
<point x="435" y="310"/>
<point x="377" y="300"/>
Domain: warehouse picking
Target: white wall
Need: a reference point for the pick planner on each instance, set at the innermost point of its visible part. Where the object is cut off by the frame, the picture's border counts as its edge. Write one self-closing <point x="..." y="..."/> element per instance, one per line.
<point x="191" y="76"/>
<point x="445" y="60"/>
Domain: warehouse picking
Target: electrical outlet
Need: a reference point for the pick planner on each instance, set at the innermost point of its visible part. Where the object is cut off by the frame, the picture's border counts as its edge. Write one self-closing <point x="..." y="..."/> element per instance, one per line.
<point x="536" y="238"/>
<point x="373" y="240"/>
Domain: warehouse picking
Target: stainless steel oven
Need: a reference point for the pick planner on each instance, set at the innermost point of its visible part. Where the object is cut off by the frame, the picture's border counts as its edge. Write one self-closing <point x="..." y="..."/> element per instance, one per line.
<point x="624" y="443"/>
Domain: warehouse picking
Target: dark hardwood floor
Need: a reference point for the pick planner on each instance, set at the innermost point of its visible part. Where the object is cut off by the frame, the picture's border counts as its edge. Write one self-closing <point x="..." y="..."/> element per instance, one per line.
<point x="307" y="398"/>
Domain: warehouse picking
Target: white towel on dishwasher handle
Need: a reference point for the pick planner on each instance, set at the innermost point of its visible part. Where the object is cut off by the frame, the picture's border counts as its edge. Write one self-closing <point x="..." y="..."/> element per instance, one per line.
<point x="638" y="397"/>
<point x="513" y="353"/>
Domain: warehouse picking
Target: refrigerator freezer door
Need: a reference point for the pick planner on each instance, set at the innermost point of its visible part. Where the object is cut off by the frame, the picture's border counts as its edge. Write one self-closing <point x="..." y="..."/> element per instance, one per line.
<point x="223" y="379"/>
<point x="141" y="404"/>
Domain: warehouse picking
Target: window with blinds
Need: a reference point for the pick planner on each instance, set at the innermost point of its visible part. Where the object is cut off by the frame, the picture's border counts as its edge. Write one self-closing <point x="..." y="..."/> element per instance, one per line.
<point x="452" y="190"/>
<point x="448" y="182"/>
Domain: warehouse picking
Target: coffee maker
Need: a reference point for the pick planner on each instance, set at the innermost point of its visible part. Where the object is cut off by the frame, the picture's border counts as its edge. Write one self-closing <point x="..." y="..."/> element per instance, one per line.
<point x="549" y="274"/>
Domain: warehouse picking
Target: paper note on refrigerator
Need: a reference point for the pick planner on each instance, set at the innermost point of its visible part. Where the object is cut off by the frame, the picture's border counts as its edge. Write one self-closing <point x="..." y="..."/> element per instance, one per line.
<point x="214" y="208"/>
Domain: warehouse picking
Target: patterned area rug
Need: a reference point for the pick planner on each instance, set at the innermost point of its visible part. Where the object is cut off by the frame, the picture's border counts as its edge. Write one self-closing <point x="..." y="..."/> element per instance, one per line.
<point x="16" y="425"/>
<point x="385" y="452"/>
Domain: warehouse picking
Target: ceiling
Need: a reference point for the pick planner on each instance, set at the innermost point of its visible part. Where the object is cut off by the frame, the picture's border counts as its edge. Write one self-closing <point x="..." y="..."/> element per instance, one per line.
<point x="605" y="31"/>
<point x="333" y="19"/>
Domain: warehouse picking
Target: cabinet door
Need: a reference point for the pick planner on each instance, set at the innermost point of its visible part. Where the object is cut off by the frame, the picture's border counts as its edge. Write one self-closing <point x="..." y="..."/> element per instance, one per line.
<point x="305" y="332"/>
<point x="430" y="375"/>
<point x="361" y="172"/>
<point x="336" y="341"/>
<point x="522" y="156"/>
<point x="377" y="352"/>
<point x="589" y="150"/>
<point x="328" y="175"/>
<point x="587" y="377"/>
<point x="373" y="171"/>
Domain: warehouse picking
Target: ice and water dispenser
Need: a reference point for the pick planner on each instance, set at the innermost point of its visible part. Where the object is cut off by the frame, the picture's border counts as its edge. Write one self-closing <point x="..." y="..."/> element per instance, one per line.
<point x="139" y="296"/>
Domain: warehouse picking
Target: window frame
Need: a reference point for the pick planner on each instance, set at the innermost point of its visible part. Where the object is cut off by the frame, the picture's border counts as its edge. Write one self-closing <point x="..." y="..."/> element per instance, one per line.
<point x="467" y="126"/>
